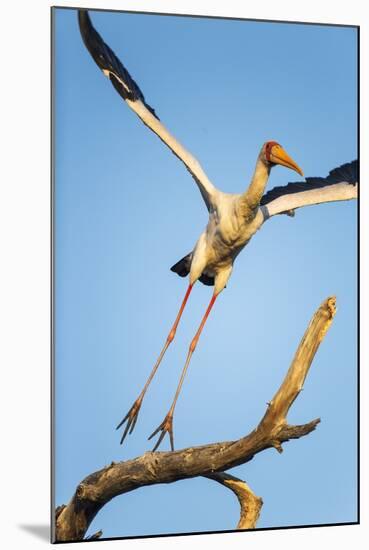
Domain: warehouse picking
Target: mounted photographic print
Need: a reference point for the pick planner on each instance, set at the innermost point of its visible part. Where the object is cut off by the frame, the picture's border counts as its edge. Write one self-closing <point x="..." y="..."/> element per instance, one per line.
<point x="205" y="241"/>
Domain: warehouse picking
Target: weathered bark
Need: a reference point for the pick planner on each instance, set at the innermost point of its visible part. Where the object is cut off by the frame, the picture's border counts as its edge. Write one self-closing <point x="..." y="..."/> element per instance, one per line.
<point x="250" y="504"/>
<point x="73" y="520"/>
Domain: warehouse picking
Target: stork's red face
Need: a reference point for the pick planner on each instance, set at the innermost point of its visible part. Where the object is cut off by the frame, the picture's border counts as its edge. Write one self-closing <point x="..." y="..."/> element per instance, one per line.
<point x="274" y="153"/>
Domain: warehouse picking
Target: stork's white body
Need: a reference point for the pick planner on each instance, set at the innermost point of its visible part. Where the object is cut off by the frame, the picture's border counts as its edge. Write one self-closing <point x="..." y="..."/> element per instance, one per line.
<point x="228" y="231"/>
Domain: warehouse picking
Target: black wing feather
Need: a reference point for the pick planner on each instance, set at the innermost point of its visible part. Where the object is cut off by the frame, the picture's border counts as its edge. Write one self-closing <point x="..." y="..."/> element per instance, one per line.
<point x="106" y="59"/>
<point x="346" y="173"/>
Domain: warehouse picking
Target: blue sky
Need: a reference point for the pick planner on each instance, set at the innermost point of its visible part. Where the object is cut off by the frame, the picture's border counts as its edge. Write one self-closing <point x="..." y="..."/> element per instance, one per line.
<point x="126" y="209"/>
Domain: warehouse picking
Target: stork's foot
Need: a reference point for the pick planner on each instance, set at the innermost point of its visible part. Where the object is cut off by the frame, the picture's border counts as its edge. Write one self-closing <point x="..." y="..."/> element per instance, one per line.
<point x="165" y="427"/>
<point x="130" y="418"/>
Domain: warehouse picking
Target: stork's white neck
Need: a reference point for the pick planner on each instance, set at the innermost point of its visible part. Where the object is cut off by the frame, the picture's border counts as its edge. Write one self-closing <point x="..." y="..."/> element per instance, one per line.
<point x="258" y="183"/>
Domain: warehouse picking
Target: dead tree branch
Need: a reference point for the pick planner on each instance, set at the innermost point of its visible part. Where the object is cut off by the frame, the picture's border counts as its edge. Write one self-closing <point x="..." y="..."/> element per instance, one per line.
<point x="250" y="504"/>
<point x="73" y="520"/>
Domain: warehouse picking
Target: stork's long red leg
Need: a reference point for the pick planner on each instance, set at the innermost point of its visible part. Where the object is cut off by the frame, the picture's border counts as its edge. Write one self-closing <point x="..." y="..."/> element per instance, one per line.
<point x="131" y="416"/>
<point x="167" y="425"/>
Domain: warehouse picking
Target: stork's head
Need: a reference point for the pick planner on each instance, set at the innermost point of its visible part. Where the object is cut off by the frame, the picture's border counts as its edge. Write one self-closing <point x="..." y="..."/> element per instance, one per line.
<point x="272" y="153"/>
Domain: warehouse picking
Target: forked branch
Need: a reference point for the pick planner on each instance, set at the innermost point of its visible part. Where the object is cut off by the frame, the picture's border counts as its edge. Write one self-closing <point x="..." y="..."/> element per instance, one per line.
<point x="250" y="504"/>
<point x="73" y="520"/>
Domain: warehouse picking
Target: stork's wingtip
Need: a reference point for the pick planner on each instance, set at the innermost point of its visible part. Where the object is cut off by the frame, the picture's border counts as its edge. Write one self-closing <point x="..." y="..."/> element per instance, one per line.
<point x="82" y="14"/>
<point x="84" y="20"/>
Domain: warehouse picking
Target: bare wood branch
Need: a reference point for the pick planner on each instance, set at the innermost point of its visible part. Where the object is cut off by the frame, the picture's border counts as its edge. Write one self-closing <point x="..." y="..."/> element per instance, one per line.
<point x="292" y="384"/>
<point x="250" y="504"/>
<point x="151" y="468"/>
<point x="95" y="536"/>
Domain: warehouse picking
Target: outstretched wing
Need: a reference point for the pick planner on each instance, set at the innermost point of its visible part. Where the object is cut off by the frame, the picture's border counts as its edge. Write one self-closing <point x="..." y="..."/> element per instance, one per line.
<point x="340" y="184"/>
<point x="128" y="89"/>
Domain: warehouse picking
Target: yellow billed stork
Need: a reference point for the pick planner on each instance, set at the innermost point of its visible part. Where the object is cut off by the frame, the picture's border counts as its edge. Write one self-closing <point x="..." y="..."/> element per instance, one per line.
<point x="233" y="218"/>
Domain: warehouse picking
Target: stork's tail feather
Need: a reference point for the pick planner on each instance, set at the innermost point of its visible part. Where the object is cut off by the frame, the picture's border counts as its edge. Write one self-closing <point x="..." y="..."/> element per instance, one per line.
<point x="108" y="62"/>
<point x="207" y="280"/>
<point x="183" y="267"/>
